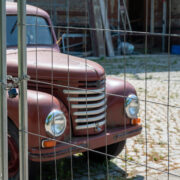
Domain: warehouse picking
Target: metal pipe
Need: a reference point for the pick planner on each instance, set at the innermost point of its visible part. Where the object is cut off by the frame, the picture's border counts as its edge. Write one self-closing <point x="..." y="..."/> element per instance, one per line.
<point x="164" y="25"/>
<point x="3" y="99"/>
<point x="22" y="73"/>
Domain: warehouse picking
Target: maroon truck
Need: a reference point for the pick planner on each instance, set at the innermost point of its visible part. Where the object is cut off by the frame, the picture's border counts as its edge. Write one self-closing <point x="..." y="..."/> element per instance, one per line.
<point x="81" y="103"/>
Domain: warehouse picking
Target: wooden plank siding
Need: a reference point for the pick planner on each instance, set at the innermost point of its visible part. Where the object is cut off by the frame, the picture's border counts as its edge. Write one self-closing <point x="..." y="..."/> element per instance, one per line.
<point x="78" y="14"/>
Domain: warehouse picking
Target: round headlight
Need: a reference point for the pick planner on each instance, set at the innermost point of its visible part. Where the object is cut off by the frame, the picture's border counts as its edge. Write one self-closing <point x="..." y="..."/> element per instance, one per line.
<point x="55" y="123"/>
<point x="132" y="106"/>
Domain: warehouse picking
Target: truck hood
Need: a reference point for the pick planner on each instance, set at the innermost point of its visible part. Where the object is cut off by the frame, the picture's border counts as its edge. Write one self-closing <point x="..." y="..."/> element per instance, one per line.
<point x="46" y="63"/>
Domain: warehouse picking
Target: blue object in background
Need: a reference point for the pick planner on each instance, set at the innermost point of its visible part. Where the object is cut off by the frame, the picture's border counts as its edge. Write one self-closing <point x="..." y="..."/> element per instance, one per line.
<point x="175" y="49"/>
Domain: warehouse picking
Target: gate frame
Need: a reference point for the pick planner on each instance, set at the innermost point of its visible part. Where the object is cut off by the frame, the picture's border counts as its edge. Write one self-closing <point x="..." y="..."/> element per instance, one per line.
<point x="22" y="75"/>
<point x="3" y="98"/>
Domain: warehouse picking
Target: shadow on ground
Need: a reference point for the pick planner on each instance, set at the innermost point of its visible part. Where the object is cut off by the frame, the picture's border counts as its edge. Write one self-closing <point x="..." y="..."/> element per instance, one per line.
<point x="138" y="64"/>
<point x="62" y="170"/>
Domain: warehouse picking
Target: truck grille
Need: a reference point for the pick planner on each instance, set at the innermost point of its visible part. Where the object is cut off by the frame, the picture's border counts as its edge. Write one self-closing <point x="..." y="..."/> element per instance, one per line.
<point x="88" y="106"/>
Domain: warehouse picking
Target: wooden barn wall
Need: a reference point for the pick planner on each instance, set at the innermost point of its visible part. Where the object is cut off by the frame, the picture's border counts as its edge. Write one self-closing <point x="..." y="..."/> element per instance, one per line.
<point x="78" y="14"/>
<point x="175" y="13"/>
<point x="175" y="18"/>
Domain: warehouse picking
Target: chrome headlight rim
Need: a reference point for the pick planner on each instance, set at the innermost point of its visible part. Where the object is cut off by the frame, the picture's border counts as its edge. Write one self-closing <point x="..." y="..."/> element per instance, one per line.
<point x="52" y="120"/>
<point x="131" y="102"/>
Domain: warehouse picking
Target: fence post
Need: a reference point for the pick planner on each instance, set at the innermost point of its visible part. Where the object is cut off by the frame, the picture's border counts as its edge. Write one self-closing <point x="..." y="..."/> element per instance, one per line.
<point x="3" y="99"/>
<point x="22" y="73"/>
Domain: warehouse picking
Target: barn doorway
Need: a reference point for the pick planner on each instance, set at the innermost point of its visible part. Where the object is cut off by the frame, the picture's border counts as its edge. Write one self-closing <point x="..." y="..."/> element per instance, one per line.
<point x="137" y="14"/>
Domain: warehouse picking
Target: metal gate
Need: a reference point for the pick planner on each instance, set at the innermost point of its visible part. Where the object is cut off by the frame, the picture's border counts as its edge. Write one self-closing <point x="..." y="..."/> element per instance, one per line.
<point x="65" y="117"/>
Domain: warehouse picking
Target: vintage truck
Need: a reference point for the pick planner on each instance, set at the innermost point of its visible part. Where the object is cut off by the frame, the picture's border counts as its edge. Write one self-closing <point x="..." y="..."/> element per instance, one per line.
<point x="70" y="99"/>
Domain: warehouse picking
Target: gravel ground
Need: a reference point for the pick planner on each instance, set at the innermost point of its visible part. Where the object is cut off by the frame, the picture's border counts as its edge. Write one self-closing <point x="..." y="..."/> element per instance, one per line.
<point x="161" y="124"/>
<point x="154" y="87"/>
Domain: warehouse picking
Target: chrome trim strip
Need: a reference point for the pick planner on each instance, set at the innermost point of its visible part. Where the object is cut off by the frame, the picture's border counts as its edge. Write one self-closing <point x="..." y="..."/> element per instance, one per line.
<point x="86" y="99"/>
<point x="88" y="91"/>
<point x="94" y="112"/>
<point x="91" y="119"/>
<point x="92" y="125"/>
<point x="86" y="106"/>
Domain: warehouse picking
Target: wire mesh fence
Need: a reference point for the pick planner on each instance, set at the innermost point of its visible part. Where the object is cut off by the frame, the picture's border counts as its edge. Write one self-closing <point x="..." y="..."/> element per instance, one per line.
<point x="112" y="117"/>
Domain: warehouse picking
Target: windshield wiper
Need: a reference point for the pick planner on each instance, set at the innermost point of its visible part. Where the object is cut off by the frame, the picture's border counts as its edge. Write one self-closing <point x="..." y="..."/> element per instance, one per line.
<point x="14" y="27"/>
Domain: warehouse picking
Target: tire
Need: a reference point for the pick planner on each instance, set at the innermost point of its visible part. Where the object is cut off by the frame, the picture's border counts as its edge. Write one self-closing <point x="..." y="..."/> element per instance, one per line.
<point x="113" y="149"/>
<point x="13" y="151"/>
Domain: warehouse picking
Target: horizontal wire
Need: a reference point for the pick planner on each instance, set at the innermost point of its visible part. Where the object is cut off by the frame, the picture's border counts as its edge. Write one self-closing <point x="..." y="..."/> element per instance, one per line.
<point x="111" y="94"/>
<point x="92" y="150"/>
<point x="111" y="30"/>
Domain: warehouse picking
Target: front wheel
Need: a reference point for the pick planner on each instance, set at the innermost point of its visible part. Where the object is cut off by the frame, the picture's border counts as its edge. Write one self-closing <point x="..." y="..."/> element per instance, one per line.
<point x="112" y="149"/>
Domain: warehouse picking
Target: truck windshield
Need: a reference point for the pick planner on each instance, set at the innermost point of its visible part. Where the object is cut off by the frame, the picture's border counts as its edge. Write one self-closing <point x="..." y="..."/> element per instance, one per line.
<point x="37" y="33"/>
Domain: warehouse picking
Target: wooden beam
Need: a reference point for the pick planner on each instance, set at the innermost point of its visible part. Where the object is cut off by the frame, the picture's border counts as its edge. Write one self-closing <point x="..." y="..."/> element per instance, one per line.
<point x="95" y="21"/>
<point x="108" y="37"/>
<point x="152" y="16"/>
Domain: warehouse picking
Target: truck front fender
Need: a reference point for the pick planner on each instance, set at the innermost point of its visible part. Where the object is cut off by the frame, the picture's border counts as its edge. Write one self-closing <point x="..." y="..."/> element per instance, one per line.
<point x="40" y="104"/>
<point x="117" y="90"/>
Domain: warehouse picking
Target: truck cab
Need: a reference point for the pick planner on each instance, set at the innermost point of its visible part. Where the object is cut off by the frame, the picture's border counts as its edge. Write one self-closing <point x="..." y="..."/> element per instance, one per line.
<point x="73" y="106"/>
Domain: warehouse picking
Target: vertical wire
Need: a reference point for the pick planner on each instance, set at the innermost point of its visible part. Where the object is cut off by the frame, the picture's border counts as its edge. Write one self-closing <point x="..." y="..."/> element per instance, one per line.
<point x="106" y="150"/>
<point x="124" y="94"/>
<point x="52" y="91"/>
<point x="69" y="106"/>
<point x="86" y="78"/>
<point x="37" y="87"/>
<point x="145" y="63"/>
<point x="169" y="76"/>
<point x="124" y="59"/>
